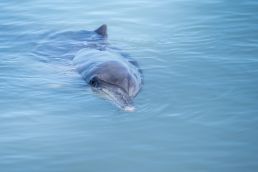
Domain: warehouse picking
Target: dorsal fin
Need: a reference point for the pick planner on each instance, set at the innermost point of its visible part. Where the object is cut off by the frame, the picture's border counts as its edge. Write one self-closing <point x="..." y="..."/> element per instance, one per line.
<point x="102" y="30"/>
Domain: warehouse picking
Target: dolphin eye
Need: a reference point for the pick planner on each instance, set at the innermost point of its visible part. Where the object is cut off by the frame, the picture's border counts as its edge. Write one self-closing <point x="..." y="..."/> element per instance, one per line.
<point x="94" y="82"/>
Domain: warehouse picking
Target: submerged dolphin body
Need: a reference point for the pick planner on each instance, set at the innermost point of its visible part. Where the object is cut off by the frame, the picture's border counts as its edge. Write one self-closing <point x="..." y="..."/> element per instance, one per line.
<point x="108" y="72"/>
<point x="105" y="69"/>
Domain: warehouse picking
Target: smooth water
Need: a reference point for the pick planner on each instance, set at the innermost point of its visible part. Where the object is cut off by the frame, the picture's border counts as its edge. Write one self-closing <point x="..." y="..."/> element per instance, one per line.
<point x="198" y="110"/>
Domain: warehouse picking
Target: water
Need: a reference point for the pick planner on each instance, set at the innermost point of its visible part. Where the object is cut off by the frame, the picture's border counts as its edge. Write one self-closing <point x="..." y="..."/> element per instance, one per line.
<point x="197" y="111"/>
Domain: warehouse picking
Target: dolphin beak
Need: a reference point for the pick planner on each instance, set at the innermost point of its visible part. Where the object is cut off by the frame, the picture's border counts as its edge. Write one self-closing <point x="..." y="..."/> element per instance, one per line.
<point x="129" y="109"/>
<point x="125" y="103"/>
<point x="120" y="99"/>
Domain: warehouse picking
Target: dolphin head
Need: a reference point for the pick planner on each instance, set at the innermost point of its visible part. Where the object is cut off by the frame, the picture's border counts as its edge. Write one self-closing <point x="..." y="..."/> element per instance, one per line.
<point x="116" y="82"/>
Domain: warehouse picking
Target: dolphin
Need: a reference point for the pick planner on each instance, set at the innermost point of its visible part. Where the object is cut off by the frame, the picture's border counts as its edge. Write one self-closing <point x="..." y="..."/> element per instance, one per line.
<point x="110" y="73"/>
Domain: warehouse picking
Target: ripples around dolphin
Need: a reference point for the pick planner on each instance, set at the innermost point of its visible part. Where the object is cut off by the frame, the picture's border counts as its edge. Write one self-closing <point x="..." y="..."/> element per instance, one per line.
<point x="196" y="112"/>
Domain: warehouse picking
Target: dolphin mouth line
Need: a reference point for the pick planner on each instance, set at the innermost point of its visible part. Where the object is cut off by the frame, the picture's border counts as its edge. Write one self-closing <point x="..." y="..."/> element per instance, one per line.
<point x="111" y="97"/>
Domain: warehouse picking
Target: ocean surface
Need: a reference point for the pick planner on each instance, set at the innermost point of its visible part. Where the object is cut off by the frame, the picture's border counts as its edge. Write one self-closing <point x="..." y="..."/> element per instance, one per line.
<point x="197" y="111"/>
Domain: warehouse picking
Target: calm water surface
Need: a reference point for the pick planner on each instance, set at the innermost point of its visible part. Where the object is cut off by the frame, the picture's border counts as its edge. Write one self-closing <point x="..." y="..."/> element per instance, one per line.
<point x="198" y="110"/>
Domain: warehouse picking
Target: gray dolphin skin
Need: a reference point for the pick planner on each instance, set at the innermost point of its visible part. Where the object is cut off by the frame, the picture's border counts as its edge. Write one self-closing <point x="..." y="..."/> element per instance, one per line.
<point x="108" y="72"/>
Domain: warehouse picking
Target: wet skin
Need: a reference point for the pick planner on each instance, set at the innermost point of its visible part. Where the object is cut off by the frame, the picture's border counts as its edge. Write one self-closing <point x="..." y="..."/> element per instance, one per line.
<point x="109" y="73"/>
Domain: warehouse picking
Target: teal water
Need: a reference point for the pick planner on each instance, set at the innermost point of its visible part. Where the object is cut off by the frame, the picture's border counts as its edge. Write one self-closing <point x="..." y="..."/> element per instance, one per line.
<point x="198" y="110"/>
